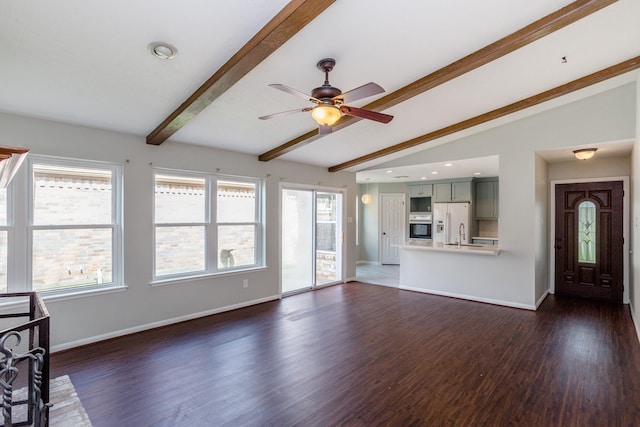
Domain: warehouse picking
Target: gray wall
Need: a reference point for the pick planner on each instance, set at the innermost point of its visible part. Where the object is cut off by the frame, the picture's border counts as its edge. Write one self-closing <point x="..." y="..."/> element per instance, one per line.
<point x="635" y="222"/>
<point x="368" y="245"/>
<point x="541" y="225"/>
<point x="597" y="167"/>
<point x="369" y="221"/>
<point x="81" y="320"/>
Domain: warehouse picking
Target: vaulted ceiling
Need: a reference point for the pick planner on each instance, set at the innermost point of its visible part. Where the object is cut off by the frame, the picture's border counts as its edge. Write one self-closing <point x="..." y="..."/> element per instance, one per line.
<point x="447" y="67"/>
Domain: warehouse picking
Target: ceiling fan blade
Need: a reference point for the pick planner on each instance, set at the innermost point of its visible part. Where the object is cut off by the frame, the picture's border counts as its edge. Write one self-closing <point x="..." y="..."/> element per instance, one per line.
<point x="363" y="91"/>
<point x="366" y="114"/>
<point x="284" y="113"/>
<point x="295" y="92"/>
<point x="323" y="130"/>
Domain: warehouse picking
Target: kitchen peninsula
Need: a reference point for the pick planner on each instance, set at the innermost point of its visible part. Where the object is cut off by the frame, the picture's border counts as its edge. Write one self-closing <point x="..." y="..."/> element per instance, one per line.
<point x="451" y="270"/>
<point x="465" y="248"/>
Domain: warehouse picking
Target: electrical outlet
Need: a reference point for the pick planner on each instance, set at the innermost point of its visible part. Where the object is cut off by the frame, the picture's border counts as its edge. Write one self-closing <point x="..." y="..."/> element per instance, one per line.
<point x="245" y="283"/>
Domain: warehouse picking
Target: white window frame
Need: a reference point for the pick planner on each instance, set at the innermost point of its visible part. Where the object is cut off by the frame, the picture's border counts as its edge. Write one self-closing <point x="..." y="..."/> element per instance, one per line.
<point x="206" y="223"/>
<point x="116" y="223"/>
<point x="9" y="228"/>
<point x="211" y="227"/>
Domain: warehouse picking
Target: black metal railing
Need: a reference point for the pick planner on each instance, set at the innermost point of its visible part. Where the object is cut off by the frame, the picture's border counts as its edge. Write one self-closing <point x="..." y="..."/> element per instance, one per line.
<point x="24" y="360"/>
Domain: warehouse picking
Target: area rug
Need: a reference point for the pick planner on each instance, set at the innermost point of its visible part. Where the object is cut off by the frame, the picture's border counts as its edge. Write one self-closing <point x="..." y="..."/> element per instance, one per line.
<point x="66" y="409"/>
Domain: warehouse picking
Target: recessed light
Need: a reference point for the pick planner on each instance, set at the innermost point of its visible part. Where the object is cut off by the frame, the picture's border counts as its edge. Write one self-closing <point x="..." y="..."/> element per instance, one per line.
<point x="434" y="173"/>
<point x="423" y="177"/>
<point x="448" y="164"/>
<point x="389" y="171"/>
<point x="477" y="173"/>
<point x="162" y="50"/>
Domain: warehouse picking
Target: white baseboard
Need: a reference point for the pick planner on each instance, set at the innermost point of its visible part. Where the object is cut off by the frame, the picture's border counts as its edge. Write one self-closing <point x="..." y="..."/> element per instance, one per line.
<point x="470" y="298"/>
<point x="546" y="293"/>
<point x="159" y="323"/>
<point x="350" y="279"/>
<point x="380" y="284"/>
<point x="635" y="321"/>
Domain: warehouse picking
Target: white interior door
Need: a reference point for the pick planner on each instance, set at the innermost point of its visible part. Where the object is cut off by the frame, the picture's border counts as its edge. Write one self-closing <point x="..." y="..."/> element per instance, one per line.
<point x="392" y="216"/>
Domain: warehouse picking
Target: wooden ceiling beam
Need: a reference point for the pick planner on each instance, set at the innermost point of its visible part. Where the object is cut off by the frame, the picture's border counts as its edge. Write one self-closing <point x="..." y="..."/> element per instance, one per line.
<point x="591" y="79"/>
<point x="532" y="32"/>
<point x="291" y="19"/>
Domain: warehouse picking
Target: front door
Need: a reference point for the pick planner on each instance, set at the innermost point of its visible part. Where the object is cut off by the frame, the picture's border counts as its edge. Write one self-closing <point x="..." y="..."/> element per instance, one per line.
<point x="392" y="225"/>
<point x="589" y="240"/>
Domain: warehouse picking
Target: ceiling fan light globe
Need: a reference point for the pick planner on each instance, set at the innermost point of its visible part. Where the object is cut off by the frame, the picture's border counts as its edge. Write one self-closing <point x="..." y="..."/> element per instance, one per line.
<point x="326" y="115"/>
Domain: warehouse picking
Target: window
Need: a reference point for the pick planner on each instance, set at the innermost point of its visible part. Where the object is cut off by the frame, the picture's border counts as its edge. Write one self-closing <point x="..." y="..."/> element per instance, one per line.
<point x="205" y="224"/>
<point x="4" y="239"/>
<point x="587" y="232"/>
<point x="74" y="224"/>
<point x="181" y="223"/>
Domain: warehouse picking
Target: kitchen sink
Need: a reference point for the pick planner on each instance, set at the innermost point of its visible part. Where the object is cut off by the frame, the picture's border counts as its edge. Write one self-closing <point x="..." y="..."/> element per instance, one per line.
<point x="476" y="245"/>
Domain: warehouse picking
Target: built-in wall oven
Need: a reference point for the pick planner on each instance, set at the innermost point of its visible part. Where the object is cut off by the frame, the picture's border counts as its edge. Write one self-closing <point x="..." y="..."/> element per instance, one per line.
<point x="420" y="226"/>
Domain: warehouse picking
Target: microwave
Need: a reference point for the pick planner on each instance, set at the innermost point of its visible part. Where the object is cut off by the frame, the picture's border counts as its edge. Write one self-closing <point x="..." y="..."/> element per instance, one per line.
<point x="419" y="204"/>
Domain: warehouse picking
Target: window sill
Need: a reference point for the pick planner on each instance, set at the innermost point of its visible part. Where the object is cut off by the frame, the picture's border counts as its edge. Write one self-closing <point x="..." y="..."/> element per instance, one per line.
<point x="177" y="280"/>
<point x="81" y="293"/>
<point x="22" y="303"/>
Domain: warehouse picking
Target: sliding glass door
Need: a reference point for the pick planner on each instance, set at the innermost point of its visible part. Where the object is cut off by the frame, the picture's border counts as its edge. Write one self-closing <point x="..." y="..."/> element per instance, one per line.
<point x="311" y="239"/>
<point x="297" y="240"/>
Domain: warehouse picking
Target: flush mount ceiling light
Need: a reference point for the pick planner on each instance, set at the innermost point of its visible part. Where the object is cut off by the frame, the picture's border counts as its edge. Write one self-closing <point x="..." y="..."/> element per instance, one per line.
<point x="585" y="153"/>
<point x="162" y="50"/>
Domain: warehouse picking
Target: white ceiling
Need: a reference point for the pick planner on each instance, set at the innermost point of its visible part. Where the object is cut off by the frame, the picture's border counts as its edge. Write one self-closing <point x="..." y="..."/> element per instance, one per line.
<point x="87" y="63"/>
<point x="476" y="167"/>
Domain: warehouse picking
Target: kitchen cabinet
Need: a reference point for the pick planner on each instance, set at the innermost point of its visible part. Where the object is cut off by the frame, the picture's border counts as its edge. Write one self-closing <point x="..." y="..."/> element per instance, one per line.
<point x="459" y="191"/>
<point x="487" y="201"/>
<point x="420" y="190"/>
<point x="442" y="192"/>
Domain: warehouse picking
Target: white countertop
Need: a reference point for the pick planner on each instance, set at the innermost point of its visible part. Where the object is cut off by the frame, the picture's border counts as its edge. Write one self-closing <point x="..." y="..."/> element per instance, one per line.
<point x="452" y="248"/>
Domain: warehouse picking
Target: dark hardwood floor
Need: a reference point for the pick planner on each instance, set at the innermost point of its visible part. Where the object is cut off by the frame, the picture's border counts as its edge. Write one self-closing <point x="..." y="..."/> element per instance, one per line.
<point x="362" y="355"/>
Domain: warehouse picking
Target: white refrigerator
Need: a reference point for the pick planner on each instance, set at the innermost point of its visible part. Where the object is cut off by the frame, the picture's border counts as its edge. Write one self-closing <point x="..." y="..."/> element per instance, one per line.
<point x="450" y="220"/>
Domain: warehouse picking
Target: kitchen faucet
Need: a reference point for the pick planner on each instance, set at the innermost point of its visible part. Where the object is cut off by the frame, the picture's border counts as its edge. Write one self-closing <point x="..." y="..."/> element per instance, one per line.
<point x="461" y="235"/>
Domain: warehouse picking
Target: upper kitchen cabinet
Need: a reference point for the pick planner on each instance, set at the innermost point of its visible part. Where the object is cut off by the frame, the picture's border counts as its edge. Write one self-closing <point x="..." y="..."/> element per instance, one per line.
<point x="420" y="190"/>
<point x="458" y="191"/>
<point x="487" y="201"/>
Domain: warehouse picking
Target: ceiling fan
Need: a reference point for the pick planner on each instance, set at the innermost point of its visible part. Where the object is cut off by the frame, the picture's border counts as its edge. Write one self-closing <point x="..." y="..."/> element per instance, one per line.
<point x="330" y="101"/>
